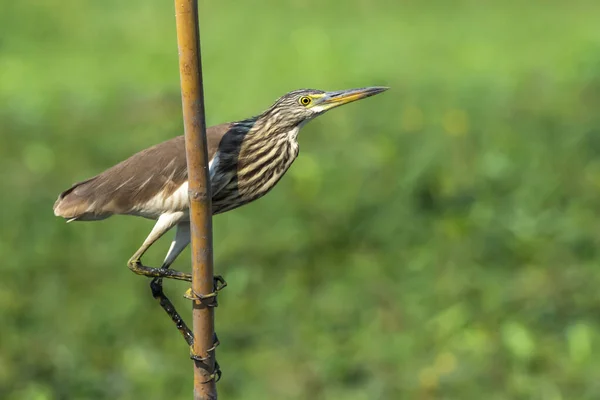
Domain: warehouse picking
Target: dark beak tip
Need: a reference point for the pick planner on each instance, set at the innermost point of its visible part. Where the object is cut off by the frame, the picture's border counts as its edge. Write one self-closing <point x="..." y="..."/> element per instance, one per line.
<point x="380" y="89"/>
<point x="373" y="90"/>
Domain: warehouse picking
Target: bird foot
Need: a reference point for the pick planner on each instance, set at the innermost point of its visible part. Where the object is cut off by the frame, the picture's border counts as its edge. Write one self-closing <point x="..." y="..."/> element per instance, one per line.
<point x="216" y="374"/>
<point x="136" y="266"/>
<point x="210" y="350"/>
<point x="219" y="284"/>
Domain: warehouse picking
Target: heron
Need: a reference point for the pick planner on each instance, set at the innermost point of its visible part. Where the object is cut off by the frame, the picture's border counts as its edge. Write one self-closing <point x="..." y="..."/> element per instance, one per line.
<point x="247" y="158"/>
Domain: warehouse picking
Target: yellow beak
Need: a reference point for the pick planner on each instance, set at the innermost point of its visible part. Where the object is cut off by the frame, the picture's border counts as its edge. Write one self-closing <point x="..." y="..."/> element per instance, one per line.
<point x="334" y="99"/>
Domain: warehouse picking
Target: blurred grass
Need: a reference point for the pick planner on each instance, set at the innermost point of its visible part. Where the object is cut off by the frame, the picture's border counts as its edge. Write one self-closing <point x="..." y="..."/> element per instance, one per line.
<point x="435" y="242"/>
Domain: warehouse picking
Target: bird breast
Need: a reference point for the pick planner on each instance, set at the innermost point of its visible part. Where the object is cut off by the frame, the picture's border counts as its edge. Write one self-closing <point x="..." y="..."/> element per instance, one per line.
<point x="257" y="169"/>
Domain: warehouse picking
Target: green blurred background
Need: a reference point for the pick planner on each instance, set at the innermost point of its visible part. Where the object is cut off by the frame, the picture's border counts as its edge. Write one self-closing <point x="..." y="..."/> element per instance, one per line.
<point x="439" y="241"/>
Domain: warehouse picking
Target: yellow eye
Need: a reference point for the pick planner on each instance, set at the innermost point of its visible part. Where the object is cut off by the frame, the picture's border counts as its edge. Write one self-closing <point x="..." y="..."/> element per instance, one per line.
<point x="304" y="100"/>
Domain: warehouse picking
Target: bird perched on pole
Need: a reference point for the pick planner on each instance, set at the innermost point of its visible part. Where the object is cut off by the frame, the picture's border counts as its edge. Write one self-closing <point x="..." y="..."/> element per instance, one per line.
<point x="246" y="159"/>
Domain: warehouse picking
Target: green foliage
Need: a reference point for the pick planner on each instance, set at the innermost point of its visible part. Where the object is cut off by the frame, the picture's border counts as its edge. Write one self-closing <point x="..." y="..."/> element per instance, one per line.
<point x="438" y="241"/>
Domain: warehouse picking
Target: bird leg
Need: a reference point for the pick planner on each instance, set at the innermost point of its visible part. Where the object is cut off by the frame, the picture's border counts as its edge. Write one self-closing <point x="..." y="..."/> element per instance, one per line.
<point x="181" y="240"/>
<point x="158" y="293"/>
<point x="164" y="223"/>
<point x="188" y="335"/>
<point x="137" y="267"/>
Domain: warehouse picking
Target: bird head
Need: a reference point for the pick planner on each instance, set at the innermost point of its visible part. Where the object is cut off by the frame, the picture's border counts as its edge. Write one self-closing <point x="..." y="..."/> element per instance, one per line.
<point x="300" y="106"/>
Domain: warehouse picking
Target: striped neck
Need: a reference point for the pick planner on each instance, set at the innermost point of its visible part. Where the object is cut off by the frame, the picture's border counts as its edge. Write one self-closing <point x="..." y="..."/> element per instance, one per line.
<point x="267" y="143"/>
<point x="262" y="159"/>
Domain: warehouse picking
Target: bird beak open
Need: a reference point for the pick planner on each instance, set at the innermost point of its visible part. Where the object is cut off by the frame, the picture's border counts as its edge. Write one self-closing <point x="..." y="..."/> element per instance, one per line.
<point x="334" y="99"/>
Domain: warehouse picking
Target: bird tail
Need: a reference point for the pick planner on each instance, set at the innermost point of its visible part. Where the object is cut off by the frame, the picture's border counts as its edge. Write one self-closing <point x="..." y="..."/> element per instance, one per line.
<point x="74" y="205"/>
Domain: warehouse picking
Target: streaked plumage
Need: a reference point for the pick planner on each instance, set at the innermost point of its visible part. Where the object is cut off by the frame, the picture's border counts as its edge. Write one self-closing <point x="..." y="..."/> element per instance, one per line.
<point x="246" y="160"/>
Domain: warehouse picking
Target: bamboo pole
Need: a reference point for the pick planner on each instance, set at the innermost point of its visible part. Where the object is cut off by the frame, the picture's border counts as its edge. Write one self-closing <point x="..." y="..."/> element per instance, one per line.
<point x="190" y="69"/>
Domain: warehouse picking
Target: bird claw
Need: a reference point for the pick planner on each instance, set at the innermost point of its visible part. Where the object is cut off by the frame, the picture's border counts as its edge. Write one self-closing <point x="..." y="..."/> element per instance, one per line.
<point x="216" y="344"/>
<point x="216" y="375"/>
<point x="219" y="284"/>
<point x="196" y="357"/>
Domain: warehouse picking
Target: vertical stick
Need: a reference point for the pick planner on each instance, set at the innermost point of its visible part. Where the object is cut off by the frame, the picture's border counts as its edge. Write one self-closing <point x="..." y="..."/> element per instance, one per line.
<point x="190" y="69"/>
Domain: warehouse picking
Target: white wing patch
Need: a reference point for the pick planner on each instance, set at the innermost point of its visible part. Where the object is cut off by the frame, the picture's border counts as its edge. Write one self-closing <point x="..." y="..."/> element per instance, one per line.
<point x="213" y="165"/>
<point x="218" y="178"/>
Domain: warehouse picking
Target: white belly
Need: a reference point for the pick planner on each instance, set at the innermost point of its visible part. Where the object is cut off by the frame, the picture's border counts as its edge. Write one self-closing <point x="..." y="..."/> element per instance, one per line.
<point x="161" y="204"/>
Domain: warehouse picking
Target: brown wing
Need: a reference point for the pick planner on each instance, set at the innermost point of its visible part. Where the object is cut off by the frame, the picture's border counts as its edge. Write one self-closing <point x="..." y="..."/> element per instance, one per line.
<point x="118" y="190"/>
